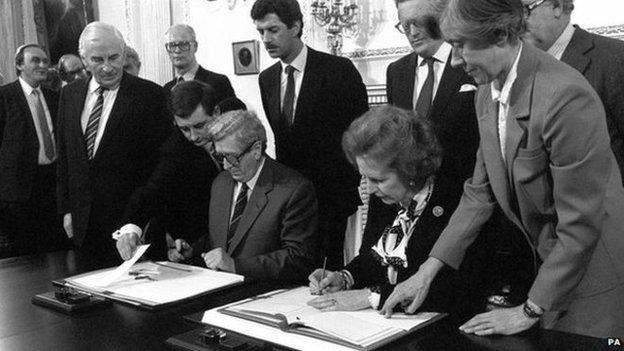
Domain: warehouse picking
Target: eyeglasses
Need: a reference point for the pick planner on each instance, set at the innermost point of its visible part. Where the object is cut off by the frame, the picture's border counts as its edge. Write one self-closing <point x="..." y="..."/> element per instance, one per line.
<point x="529" y="7"/>
<point x="232" y="159"/>
<point x="406" y="26"/>
<point x="182" y="45"/>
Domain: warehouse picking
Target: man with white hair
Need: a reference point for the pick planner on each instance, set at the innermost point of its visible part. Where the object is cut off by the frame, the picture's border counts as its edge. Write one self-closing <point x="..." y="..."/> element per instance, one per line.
<point x="181" y="45"/>
<point x="109" y="131"/>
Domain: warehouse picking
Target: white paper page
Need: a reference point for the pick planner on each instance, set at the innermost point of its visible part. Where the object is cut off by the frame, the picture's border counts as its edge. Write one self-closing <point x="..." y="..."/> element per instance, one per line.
<point x="108" y="277"/>
<point x="398" y="320"/>
<point x="171" y="282"/>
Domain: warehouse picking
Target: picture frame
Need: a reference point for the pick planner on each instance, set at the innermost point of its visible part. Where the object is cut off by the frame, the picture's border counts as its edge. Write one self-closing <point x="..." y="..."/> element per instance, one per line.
<point x="246" y="57"/>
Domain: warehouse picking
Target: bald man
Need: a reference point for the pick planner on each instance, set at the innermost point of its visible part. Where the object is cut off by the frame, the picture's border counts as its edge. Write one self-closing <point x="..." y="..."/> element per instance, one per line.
<point x="110" y="128"/>
<point x="181" y="45"/>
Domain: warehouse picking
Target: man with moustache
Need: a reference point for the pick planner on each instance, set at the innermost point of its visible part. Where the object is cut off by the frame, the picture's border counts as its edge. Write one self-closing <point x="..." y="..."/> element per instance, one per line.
<point x="598" y="58"/>
<point x="424" y="80"/>
<point x="310" y="98"/>
<point x="28" y="218"/>
<point x="110" y="128"/>
<point x="181" y="46"/>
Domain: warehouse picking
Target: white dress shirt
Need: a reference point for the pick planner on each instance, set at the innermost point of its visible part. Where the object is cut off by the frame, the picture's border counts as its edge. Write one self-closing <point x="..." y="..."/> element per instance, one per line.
<point x="441" y="56"/>
<point x="502" y="95"/>
<point x="251" y="184"/>
<point x="190" y="74"/>
<point x="559" y="46"/>
<point x="31" y="99"/>
<point x="298" y="64"/>
<point x="109" y="101"/>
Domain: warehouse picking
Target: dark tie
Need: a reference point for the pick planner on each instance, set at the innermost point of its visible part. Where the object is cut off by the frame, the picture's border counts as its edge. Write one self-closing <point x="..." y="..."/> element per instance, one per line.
<point x="94" y="122"/>
<point x="48" y="144"/>
<point x="426" y="92"/>
<point x="289" y="96"/>
<point x="241" y="202"/>
<point x="180" y="80"/>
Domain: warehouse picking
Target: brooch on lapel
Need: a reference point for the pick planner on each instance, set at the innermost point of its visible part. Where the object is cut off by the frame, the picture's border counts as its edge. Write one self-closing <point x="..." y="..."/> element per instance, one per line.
<point x="438" y="211"/>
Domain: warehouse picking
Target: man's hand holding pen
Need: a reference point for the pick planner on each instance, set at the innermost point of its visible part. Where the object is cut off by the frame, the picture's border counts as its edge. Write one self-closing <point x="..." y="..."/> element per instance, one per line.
<point x="179" y="250"/>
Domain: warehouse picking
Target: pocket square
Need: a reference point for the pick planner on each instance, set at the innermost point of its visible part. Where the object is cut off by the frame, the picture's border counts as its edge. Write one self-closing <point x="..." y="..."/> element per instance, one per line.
<point x="467" y="87"/>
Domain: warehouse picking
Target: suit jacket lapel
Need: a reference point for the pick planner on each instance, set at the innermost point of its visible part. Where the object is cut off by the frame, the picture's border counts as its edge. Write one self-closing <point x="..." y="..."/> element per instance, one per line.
<point x="574" y="54"/>
<point x="221" y="207"/>
<point x="405" y="78"/>
<point x="19" y="93"/>
<point x="490" y="147"/>
<point x="273" y="92"/>
<point x="449" y="84"/>
<point x="75" y="113"/>
<point x="255" y="205"/>
<point x="120" y="107"/>
<point x="309" y="85"/>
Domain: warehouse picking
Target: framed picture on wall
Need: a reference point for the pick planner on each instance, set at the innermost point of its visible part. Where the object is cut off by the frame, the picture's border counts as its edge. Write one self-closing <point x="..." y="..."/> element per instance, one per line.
<point x="246" y="59"/>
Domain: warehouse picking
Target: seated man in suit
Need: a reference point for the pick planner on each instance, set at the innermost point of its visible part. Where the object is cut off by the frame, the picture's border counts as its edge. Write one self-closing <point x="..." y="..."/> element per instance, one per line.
<point x="181" y="47"/>
<point x="182" y="179"/>
<point x="263" y="215"/>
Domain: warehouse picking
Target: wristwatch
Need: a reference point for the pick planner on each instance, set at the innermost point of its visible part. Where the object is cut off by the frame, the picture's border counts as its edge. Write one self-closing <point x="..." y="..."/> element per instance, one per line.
<point x="531" y="311"/>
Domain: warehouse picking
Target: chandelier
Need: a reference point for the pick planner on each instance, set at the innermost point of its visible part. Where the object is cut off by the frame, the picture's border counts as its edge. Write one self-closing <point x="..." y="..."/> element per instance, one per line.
<point x="338" y="19"/>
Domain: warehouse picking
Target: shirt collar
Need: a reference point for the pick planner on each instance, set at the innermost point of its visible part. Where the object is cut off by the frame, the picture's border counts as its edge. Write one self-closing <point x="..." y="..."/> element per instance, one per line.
<point x="190" y="74"/>
<point x="559" y="46"/>
<point x="442" y="55"/>
<point x="94" y="86"/>
<point x="502" y="95"/>
<point x="299" y="62"/>
<point x="251" y="183"/>
<point x="27" y="88"/>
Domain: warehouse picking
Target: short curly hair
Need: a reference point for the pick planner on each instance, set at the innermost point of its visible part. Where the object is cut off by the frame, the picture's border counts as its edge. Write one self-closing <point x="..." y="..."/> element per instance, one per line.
<point x="399" y="138"/>
<point x="483" y="22"/>
<point x="288" y="11"/>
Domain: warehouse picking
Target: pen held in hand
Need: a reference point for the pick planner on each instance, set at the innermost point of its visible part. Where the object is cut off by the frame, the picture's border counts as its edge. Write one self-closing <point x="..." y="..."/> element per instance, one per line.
<point x="320" y="292"/>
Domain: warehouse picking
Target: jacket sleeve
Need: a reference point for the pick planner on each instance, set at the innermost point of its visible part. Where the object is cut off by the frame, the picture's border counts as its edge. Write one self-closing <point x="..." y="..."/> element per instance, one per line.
<point x="577" y="143"/>
<point x="298" y="231"/>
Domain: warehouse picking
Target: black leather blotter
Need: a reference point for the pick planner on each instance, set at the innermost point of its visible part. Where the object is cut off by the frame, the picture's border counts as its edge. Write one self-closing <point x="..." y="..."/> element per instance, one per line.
<point x="208" y="338"/>
<point x="49" y="300"/>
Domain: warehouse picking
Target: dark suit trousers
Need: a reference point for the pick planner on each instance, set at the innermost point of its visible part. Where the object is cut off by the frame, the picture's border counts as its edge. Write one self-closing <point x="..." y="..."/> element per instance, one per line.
<point x="34" y="226"/>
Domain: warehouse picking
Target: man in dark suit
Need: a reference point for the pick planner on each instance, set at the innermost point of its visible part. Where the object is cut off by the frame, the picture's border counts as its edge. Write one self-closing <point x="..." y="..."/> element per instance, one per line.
<point x="598" y="58"/>
<point x="110" y="128"/>
<point x="310" y="98"/>
<point x="28" y="216"/>
<point x="445" y="95"/>
<point x="263" y="215"/>
<point x="181" y="47"/>
<point x="180" y="184"/>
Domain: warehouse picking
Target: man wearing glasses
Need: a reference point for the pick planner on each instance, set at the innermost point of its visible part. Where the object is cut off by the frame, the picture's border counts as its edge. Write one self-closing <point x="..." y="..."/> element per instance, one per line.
<point x="181" y="46"/>
<point x="263" y="215"/>
<point x="599" y="59"/>
<point x="425" y="81"/>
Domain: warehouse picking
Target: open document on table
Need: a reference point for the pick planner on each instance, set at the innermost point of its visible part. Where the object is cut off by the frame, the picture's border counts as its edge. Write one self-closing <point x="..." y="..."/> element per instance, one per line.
<point x="287" y="310"/>
<point x="154" y="284"/>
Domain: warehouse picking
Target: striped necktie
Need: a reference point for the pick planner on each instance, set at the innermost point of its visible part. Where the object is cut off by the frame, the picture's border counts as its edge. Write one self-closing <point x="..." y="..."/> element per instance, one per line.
<point x="239" y="208"/>
<point x="94" y="122"/>
<point x="426" y="92"/>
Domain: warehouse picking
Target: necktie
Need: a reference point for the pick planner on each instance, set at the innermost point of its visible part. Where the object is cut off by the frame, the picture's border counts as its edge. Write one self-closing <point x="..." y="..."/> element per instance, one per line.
<point x="180" y="80"/>
<point x="289" y="96"/>
<point x="94" y="122"/>
<point x="241" y="202"/>
<point x="48" y="144"/>
<point x="426" y="92"/>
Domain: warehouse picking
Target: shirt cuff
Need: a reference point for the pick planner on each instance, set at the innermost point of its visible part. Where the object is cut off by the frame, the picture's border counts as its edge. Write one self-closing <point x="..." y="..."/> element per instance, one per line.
<point x="374" y="300"/>
<point x="127" y="229"/>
